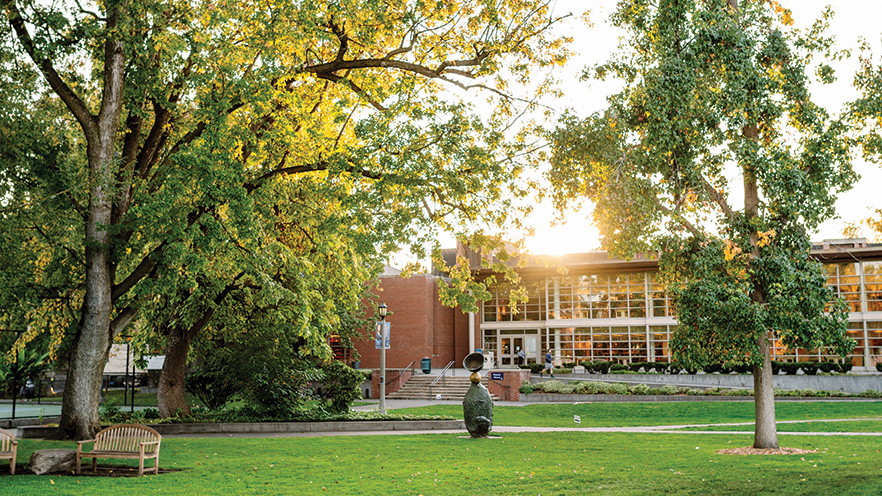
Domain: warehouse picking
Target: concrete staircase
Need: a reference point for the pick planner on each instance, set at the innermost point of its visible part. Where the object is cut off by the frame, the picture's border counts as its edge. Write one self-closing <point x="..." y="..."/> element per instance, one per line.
<point x="450" y="388"/>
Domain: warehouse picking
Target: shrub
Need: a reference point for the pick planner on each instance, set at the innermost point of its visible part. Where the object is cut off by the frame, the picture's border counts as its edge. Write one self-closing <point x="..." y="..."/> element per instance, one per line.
<point x="214" y="387"/>
<point x="640" y="389"/>
<point x="660" y="367"/>
<point x="668" y="389"/>
<point x="636" y="366"/>
<point x="616" y="388"/>
<point x="551" y="386"/>
<point x="569" y="365"/>
<point x="591" y="387"/>
<point x="713" y="368"/>
<point x="777" y="367"/>
<point x="791" y="368"/>
<point x="879" y="366"/>
<point x="618" y="367"/>
<point x="535" y="368"/>
<point x="342" y="385"/>
<point x="828" y="367"/>
<point x="277" y="389"/>
<point x="808" y="368"/>
<point x="526" y="387"/>
<point x="846" y="367"/>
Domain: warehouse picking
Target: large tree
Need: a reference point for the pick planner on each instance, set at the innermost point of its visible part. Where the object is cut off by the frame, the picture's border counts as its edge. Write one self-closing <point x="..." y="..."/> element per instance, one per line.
<point x="220" y="141"/>
<point x="714" y="156"/>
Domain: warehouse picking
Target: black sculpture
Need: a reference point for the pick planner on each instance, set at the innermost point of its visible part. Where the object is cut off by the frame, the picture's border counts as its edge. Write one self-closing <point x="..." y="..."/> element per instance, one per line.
<point x="477" y="407"/>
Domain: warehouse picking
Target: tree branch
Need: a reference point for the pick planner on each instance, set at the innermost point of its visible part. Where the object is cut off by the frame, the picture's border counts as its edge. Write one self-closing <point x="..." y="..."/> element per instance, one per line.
<point x="76" y="105"/>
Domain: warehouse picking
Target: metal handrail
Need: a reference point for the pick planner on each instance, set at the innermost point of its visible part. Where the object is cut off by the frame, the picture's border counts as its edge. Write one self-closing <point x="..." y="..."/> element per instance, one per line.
<point x="441" y="376"/>
<point x="409" y="366"/>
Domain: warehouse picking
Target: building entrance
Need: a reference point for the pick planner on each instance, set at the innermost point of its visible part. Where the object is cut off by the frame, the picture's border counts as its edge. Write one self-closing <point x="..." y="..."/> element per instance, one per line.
<point x="505" y="344"/>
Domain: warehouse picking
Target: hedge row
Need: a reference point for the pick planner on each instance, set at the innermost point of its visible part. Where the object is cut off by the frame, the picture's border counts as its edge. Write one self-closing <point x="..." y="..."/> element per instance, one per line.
<point x="789" y="368"/>
<point x="597" y="387"/>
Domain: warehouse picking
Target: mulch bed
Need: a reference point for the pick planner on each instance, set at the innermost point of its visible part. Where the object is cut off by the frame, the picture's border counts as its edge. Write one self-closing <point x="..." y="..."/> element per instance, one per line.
<point x="101" y="471"/>
<point x="750" y="450"/>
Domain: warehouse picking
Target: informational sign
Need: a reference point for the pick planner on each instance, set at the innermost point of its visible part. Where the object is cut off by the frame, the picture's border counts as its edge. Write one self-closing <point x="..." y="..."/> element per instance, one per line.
<point x="377" y="335"/>
<point x="496" y="376"/>
<point x="577" y="419"/>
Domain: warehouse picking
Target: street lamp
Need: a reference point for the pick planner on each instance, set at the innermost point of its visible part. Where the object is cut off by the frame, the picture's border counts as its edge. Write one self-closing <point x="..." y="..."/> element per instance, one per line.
<point x="382" y="310"/>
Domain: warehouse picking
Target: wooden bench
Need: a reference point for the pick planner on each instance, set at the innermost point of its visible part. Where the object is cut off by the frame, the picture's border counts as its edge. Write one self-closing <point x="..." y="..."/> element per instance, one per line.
<point x="123" y="441"/>
<point x="8" y="448"/>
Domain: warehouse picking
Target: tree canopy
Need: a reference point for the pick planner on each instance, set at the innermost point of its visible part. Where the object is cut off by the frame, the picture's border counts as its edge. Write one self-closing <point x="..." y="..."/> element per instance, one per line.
<point x="275" y="150"/>
<point x="715" y="158"/>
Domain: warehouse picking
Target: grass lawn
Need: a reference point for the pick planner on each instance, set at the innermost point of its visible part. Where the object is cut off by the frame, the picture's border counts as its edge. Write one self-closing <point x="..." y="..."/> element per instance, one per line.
<point x="668" y="413"/>
<point x="845" y="426"/>
<point x="552" y="463"/>
<point x="561" y="463"/>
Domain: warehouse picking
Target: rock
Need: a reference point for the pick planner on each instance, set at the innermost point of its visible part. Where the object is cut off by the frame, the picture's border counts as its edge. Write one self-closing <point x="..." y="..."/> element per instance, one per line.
<point x="48" y="461"/>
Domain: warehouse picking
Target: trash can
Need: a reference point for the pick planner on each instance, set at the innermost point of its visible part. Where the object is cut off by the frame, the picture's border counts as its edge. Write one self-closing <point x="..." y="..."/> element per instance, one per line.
<point x="426" y="365"/>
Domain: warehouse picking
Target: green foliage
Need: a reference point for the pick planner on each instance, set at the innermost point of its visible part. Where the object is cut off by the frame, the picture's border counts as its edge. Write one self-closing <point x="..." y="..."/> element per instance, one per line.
<point x="526" y="387"/>
<point x="618" y="367"/>
<point x="342" y="385"/>
<point x="253" y="168"/>
<point x="534" y="368"/>
<point x="214" y="387"/>
<point x="709" y="91"/>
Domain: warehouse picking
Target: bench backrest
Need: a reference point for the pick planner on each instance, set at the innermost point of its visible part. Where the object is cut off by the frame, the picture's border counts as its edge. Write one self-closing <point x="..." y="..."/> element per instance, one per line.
<point x="125" y="437"/>
<point x="6" y="439"/>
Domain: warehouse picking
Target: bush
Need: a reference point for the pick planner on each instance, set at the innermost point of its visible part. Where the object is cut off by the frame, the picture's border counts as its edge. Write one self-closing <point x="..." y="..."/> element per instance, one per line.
<point x="879" y="366"/>
<point x="618" y="367"/>
<point x="827" y="367"/>
<point x="551" y="386"/>
<point x="777" y="367"/>
<point x="526" y="387"/>
<point x="535" y="368"/>
<point x="790" y="368"/>
<point x="278" y="389"/>
<point x="342" y="385"/>
<point x="846" y="367"/>
<point x="213" y="387"/>
<point x="569" y="365"/>
<point x="636" y="366"/>
<point x="640" y="389"/>
<point x="808" y="368"/>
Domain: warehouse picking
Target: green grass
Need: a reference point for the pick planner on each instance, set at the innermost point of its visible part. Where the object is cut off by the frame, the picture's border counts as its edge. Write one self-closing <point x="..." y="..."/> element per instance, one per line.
<point x="667" y="413"/>
<point x="524" y="463"/>
<point x="844" y="426"/>
<point x="552" y="463"/>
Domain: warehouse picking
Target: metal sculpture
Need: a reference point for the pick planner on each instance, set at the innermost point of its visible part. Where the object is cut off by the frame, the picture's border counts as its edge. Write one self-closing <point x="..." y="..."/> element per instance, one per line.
<point x="477" y="407"/>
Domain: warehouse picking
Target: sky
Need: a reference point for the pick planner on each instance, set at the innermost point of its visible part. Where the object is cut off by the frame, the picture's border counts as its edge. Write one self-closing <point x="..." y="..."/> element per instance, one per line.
<point x="854" y="19"/>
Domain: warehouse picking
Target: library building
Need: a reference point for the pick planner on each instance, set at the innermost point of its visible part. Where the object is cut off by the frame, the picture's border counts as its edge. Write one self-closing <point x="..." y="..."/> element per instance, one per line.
<point x="603" y="309"/>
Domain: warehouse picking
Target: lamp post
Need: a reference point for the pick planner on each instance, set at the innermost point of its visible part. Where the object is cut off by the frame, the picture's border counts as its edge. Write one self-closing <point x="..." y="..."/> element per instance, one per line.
<point x="382" y="310"/>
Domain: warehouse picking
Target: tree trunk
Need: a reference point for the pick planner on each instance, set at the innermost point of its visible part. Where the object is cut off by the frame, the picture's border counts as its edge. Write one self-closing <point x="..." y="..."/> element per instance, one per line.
<point x="79" y="408"/>
<point x="765" y="430"/>
<point x="171" y="396"/>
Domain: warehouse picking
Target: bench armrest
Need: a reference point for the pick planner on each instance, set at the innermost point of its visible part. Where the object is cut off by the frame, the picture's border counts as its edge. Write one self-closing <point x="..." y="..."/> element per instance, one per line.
<point x="81" y="443"/>
<point x="142" y="446"/>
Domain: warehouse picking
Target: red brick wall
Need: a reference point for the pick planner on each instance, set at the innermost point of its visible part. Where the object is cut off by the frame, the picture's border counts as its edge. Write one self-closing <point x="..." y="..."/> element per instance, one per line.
<point x="508" y="388"/>
<point x="420" y="326"/>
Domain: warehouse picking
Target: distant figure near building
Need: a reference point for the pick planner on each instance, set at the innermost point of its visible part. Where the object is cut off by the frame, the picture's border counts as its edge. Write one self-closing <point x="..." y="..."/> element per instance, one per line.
<point x="548" y="364"/>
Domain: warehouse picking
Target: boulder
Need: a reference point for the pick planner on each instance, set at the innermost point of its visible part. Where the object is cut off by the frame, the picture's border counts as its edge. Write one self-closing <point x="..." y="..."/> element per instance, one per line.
<point x="48" y="461"/>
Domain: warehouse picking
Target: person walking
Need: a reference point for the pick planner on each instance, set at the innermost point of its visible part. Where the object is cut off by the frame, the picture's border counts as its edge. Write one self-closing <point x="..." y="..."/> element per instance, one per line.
<point x="548" y="366"/>
<point x="521" y="356"/>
